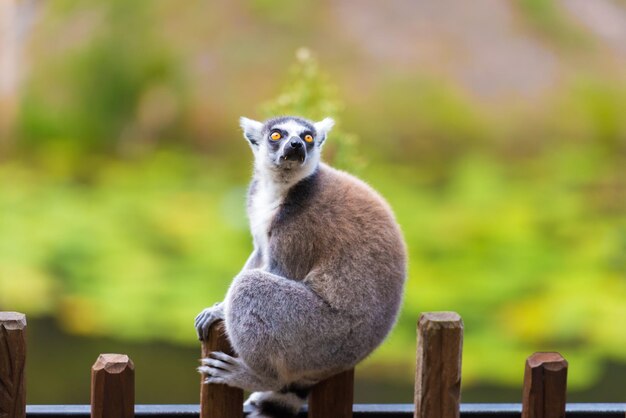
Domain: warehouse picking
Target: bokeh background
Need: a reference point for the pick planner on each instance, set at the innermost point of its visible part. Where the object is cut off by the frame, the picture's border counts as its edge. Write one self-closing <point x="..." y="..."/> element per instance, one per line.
<point x="496" y="129"/>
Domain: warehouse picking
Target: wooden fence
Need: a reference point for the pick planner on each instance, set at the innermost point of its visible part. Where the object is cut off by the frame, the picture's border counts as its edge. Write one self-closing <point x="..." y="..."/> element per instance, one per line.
<point x="437" y="384"/>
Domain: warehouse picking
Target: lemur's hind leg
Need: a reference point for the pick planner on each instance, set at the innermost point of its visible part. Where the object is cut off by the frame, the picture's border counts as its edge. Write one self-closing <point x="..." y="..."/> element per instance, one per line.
<point x="281" y="327"/>
<point x="232" y="371"/>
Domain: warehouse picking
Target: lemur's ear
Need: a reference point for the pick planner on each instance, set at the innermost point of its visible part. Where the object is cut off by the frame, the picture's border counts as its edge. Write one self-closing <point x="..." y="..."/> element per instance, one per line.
<point x="252" y="131"/>
<point x="323" y="127"/>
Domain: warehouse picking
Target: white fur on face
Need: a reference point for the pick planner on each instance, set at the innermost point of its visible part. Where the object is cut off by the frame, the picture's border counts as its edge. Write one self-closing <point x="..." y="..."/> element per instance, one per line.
<point x="292" y="127"/>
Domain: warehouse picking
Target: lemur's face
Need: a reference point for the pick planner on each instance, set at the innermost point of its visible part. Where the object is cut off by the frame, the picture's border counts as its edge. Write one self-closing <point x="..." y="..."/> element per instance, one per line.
<point x="286" y="143"/>
<point x="289" y="142"/>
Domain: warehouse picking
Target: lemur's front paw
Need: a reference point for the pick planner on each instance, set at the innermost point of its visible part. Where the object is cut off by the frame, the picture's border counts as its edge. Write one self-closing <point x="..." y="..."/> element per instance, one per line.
<point x="206" y="318"/>
<point x="226" y="370"/>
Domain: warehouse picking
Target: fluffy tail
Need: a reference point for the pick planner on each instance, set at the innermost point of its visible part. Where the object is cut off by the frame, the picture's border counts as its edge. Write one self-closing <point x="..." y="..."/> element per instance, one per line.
<point x="285" y="403"/>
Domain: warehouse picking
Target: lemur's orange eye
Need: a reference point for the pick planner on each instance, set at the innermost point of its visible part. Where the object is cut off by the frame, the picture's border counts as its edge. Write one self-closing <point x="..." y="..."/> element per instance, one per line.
<point x="308" y="138"/>
<point x="276" y="136"/>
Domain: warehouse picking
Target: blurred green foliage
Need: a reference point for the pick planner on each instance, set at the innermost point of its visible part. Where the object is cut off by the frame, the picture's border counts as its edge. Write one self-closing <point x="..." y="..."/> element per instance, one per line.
<point x="138" y="250"/>
<point x="116" y="225"/>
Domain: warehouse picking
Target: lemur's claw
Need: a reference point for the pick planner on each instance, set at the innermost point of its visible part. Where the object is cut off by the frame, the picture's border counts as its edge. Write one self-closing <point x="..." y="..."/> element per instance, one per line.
<point x="215" y="380"/>
<point x="206" y="318"/>
<point x="223" y="357"/>
<point x="220" y="368"/>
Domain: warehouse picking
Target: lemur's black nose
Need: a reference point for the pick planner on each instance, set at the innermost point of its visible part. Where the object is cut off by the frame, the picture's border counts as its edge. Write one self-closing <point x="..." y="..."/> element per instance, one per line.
<point x="296" y="144"/>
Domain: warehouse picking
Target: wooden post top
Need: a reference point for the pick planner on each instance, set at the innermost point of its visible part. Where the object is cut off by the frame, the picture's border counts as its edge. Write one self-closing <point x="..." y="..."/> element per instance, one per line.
<point x="113" y="363"/>
<point x="440" y="320"/>
<point x="13" y="320"/>
<point x="550" y="361"/>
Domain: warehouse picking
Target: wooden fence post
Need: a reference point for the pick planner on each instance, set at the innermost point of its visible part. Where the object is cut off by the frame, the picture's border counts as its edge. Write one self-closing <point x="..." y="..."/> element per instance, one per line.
<point x="219" y="401"/>
<point x="333" y="397"/>
<point x="113" y="387"/>
<point x="12" y="365"/>
<point x="438" y="372"/>
<point x="545" y="386"/>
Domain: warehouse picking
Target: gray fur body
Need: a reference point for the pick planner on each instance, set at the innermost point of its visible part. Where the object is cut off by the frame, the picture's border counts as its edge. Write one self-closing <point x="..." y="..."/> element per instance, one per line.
<point x="324" y="283"/>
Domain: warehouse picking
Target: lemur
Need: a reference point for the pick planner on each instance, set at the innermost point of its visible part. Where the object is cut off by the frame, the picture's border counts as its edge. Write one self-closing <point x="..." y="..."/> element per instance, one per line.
<point x="323" y="285"/>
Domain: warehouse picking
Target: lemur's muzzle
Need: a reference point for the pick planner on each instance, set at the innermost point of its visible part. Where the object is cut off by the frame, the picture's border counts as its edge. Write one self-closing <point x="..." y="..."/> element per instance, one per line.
<point x="294" y="150"/>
